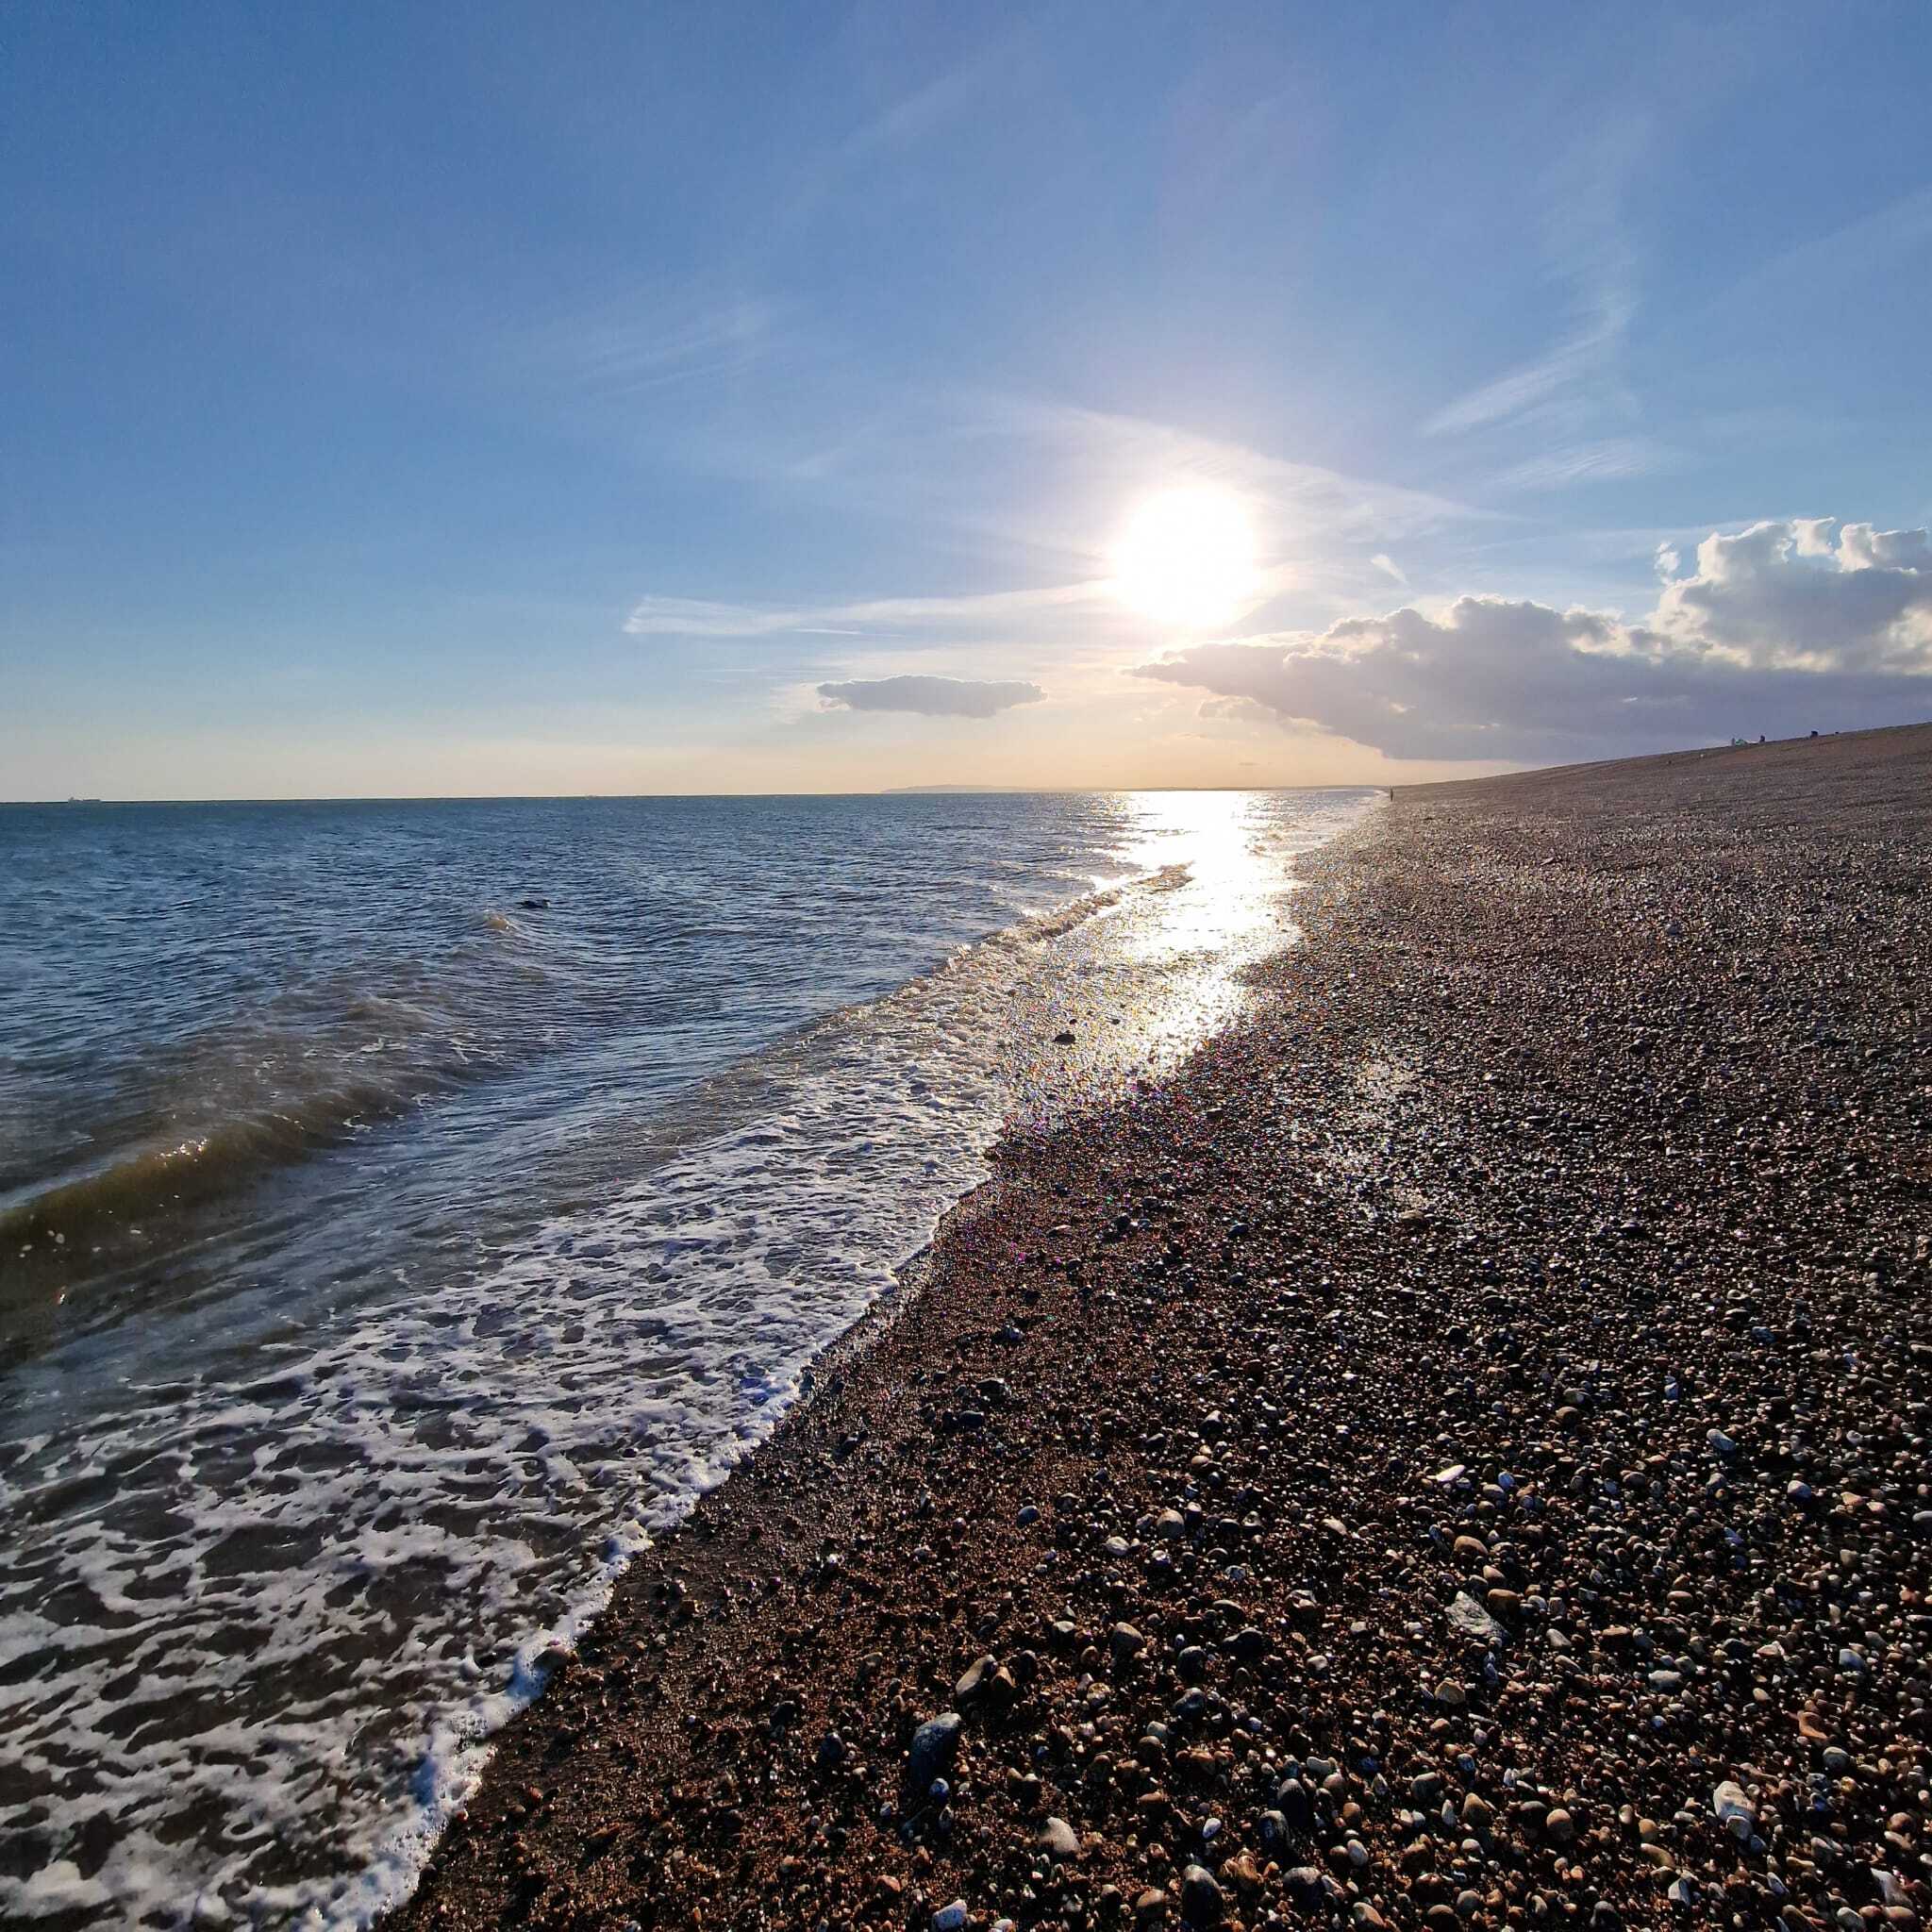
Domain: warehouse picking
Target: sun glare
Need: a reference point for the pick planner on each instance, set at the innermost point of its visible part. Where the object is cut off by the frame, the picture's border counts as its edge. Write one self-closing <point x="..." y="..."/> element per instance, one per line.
<point x="1186" y="558"/>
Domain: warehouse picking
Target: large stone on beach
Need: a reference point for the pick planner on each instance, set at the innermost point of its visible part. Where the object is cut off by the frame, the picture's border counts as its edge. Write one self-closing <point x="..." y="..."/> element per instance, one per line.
<point x="934" y="1746"/>
<point x="1468" y="1618"/>
<point x="1733" y="1809"/>
<point x="1058" y="1838"/>
<point x="974" y="1683"/>
<point x="1202" y="1904"/>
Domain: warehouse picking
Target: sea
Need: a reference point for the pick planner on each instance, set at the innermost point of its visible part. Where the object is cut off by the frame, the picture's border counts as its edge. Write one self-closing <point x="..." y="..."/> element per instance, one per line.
<point x="407" y="1208"/>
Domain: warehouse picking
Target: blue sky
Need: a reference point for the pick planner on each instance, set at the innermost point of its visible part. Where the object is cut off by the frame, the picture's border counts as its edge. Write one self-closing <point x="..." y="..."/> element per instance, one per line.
<point x="666" y="398"/>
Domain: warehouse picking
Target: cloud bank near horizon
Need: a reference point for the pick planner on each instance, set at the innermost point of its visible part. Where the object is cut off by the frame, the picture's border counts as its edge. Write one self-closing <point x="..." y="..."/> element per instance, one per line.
<point x="930" y="697"/>
<point x="1791" y="624"/>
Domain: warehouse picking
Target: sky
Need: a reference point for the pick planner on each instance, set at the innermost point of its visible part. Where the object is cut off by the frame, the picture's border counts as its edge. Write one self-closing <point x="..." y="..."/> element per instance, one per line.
<point x="465" y="399"/>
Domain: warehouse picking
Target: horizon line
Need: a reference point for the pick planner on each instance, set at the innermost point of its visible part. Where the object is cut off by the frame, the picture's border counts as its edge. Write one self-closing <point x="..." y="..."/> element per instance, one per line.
<point x="619" y="797"/>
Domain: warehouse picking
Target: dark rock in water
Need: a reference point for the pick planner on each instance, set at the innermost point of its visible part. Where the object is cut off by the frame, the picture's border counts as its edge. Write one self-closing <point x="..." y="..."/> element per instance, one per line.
<point x="533" y="904"/>
<point x="1201" y="1901"/>
<point x="934" y="1746"/>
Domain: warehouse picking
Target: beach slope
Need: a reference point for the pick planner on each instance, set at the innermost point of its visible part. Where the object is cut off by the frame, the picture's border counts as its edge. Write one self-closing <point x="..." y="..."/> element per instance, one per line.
<point x="1456" y="1456"/>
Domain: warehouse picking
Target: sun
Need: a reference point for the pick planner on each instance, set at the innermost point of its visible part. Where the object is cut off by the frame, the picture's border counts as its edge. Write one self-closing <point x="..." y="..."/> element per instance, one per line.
<point x="1186" y="558"/>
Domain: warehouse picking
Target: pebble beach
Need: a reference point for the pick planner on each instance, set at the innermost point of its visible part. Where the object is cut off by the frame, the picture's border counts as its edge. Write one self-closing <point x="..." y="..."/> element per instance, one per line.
<point x="1455" y="1456"/>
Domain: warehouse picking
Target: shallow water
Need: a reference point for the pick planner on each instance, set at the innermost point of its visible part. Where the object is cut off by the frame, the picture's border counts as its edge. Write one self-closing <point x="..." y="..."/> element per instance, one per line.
<point x="383" y="1256"/>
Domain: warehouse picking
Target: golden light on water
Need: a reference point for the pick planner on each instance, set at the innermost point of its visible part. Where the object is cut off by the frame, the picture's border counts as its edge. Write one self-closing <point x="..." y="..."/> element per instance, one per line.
<point x="1186" y="558"/>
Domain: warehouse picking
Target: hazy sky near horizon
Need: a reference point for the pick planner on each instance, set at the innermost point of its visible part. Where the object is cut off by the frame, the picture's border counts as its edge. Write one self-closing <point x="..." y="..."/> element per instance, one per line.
<point x="482" y="399"/>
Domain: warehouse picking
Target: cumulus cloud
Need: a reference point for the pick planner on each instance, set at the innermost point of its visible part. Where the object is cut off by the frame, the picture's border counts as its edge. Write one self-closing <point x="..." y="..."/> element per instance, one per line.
<point x="1778" y="629"/>
<point x="1778" y="596"/>
<point x="1861" y="547"/>
<point x="931" y="697"/>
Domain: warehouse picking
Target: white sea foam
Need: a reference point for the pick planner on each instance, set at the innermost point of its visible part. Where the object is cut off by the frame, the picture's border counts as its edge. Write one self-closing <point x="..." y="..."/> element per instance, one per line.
<point x="255" y="1632"/>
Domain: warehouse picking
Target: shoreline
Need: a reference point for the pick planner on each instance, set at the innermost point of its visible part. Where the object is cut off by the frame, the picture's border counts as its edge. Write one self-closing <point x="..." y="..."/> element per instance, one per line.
<point x="1163" y="1425"/>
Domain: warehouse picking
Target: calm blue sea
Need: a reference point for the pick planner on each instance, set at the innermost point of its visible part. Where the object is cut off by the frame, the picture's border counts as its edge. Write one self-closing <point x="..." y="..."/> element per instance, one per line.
<point x="406" y="1207"/>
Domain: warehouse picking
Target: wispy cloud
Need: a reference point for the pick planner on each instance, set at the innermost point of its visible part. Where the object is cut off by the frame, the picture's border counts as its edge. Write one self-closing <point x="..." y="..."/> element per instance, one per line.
<point x="638" y="340"/>
<point x="1577" y="382"/>
<point x="693" y="617"/>
<point x="1576" y="462"/>
<point x="1537" y="385"/>
<point x="1126" y="454"/>
<point x="1869" y="245"/>
<point x="920" y="112"/>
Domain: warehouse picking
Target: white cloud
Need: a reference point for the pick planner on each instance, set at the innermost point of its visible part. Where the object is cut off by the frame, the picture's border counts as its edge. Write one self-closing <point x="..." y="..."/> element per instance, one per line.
<point x="1389" y="569"/>
<point x="1766" y="635"/>
<point x="1861" y="547"/>
<point x="1758" y="599"/>
<point x="930" y="697"/>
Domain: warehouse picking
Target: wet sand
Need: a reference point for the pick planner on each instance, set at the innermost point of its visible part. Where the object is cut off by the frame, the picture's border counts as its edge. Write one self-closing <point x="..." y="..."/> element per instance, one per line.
<point x="1457" y="1457"/>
